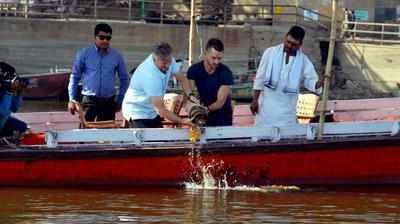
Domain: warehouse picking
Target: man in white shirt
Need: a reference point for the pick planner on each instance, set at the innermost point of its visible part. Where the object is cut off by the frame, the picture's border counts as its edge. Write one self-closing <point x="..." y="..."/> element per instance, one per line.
<point x="143" y="104"/>
<point x="283" y="69"/>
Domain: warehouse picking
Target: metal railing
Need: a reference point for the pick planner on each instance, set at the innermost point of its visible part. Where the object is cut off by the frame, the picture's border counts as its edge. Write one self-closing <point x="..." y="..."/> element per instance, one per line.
<point x="156" y="11"/>
<point x="8" y="8"/>
<point x="371" y="32"/>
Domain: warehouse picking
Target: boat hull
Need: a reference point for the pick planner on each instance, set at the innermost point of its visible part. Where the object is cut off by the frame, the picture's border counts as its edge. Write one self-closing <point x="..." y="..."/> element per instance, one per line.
<point x="356" y="162"/>
<point x="47" y="85"/>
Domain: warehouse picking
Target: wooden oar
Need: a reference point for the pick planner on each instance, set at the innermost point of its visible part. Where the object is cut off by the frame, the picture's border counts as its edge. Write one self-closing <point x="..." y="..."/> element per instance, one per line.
<point x="192" y="30"/>
<point x="328" y="68"/>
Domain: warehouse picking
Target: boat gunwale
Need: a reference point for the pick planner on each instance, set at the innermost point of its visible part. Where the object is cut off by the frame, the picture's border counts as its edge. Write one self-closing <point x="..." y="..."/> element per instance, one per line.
<point x="126" y="151"/>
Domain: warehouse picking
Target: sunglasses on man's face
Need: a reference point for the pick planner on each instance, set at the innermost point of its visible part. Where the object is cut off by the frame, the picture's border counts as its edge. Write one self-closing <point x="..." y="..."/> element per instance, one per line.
<point x="102" y="37"/>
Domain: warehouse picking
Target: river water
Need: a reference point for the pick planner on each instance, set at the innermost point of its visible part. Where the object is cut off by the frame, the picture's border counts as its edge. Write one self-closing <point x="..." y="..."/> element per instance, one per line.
<point x="192" y="205"/>
<point x="195" y="204"/>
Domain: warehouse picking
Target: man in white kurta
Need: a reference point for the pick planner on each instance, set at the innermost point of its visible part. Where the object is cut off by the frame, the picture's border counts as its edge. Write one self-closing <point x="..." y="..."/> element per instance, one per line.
<point x="283" y="70"/>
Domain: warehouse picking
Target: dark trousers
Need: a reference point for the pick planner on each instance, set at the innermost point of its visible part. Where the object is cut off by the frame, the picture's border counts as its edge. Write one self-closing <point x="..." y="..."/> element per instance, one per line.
<point x="146" y="123"/>
<point x="220" y="118"/>
<point x="98" y="108"/>
<point x="13" y="125"/>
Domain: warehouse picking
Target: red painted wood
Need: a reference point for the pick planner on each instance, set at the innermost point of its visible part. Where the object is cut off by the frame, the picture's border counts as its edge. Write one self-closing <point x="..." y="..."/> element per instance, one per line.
<point x="378" y="114"/>
<point x="362" y="104"/>
<point x="129" y="171"/>
<point x="33" y="139"/>
<point x="320" y="165"/>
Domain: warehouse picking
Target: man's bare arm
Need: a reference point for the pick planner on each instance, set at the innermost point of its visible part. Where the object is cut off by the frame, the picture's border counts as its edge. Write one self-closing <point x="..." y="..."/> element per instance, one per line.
<point x="186" y="84"/>
<point x="254" y="107"/>
<point x="223" y="92"/>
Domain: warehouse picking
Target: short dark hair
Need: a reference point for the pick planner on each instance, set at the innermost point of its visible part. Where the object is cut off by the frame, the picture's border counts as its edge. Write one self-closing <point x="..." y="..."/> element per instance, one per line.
<point x="297" y="33"/>
<point x="216" y="44"/>
<point x="102" y="27"/>
<point x="162" y="50"/>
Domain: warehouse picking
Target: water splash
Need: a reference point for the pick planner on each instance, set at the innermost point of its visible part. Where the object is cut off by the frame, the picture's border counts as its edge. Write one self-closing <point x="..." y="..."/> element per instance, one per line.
<point x="269" y="188"/>
<point x="205" y="178"/>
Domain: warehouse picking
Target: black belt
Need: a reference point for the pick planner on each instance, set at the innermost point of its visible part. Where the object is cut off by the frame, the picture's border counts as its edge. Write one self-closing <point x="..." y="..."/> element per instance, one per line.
<point x="99" y="99"/>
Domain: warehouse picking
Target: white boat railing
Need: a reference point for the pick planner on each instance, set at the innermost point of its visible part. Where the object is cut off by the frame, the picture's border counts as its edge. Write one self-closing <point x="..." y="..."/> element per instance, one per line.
<point x="171" y="136"/>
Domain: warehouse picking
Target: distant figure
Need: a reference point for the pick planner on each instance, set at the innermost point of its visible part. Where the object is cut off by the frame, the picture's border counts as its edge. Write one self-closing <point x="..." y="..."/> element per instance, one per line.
<point x="143" y="104"/>
<point x="213" y="80"/>
<point x="283" y="69"/>
<point x="348" y="17"/>
<point x="97" y="67"/>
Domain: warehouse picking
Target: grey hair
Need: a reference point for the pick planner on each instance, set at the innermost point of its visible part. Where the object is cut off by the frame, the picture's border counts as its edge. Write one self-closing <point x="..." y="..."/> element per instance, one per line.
<point x="162" y="50"/>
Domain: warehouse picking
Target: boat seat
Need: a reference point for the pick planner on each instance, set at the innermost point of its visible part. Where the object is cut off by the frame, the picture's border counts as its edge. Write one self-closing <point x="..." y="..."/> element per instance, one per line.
<point x="99" y="124"/>
<point x="103" y="124"/>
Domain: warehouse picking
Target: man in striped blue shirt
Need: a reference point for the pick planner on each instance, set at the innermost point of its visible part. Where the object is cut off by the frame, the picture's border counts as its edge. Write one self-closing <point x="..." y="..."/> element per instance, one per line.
<point x="97" y="67"/>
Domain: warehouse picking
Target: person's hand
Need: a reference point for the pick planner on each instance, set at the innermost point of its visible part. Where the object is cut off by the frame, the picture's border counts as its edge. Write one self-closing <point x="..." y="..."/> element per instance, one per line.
<point x="193" y="99"/>
<point x="319" y="83"/>
<point x="16" y="87"/>
<point x="254" y="107"/>
<point x="73" y="107"/>
<point x="187" y="121"/>
<point x="118" y="107"/>
<point x="20" y="88"/>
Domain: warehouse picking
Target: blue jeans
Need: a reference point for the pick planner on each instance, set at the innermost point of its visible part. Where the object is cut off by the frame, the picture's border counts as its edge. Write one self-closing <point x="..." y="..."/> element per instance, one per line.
<point x="13" y="124"/>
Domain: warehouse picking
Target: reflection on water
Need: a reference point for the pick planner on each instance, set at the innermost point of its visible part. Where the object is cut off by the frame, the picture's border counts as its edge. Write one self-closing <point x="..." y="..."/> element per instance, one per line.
<point x="140" y="205"/>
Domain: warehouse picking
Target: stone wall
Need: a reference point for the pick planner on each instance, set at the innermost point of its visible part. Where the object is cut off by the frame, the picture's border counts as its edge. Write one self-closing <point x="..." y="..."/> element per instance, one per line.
<point x="36" y="45"/>
<point x="367" y="70"/>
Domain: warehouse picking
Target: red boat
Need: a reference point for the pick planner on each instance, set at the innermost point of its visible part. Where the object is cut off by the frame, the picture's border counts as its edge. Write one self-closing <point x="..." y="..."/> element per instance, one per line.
<point x="361" y="152"/>
<point x="47" y="85"/>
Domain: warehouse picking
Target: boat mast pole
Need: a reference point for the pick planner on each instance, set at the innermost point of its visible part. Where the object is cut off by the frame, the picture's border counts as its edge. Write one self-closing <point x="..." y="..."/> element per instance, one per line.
<point x="328" y="68"/>
<point x="192" y="31"/>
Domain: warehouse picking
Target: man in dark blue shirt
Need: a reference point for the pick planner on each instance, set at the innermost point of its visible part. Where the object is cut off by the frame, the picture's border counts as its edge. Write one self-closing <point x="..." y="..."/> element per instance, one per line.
<point x="213" y="80"/>
<point x="97" y="66"/>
